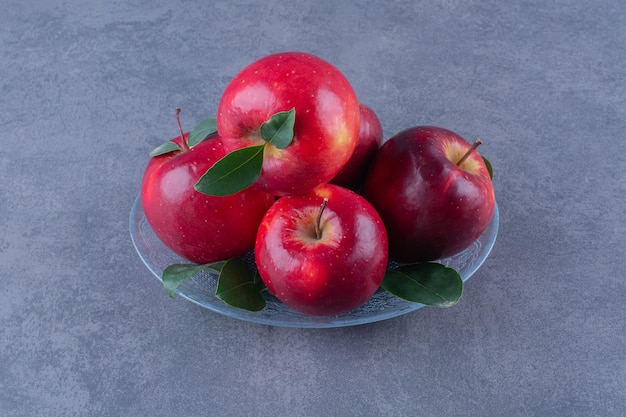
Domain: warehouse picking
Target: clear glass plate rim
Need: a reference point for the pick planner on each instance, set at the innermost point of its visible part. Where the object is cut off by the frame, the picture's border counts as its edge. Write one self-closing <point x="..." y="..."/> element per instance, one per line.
<point x="306" y="321"/>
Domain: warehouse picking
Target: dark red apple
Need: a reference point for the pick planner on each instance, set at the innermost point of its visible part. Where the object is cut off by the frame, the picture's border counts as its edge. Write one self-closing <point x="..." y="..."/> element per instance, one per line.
<point x="322" y="264"/>
<point x="370" y="138"/>
<point x="326" y="127"/>
<point x="199" y="227"/>
<point x="434" y="200"/>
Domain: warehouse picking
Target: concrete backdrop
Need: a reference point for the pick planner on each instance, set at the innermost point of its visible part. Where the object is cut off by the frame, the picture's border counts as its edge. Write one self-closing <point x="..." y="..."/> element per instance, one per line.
<point x="87" y="88"/>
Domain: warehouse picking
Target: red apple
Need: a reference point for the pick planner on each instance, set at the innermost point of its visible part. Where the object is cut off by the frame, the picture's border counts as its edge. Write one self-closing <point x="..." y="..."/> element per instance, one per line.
<point x="433" y="204"/>
<point x="326" y="125"/>
<point x="326" y="266"/>
<point x="198" y="227"/>
<point x="370" y="138"/>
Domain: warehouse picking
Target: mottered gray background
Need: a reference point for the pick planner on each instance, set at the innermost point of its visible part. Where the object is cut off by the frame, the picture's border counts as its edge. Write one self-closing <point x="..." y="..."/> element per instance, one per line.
<point x="87" y="88"/>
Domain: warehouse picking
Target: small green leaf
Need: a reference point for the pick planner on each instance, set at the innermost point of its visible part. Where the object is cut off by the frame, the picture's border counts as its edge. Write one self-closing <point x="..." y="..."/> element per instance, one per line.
<point x="176" y="274"/>
<point x="431" y="284"/>
<point x="234" y="172"/>
<point x="236" y="286"/>
<point x="278" y="130"/>
<point x="164" y="148"/>
<point x="201" y="131"/>
<point x="489" y="167"/>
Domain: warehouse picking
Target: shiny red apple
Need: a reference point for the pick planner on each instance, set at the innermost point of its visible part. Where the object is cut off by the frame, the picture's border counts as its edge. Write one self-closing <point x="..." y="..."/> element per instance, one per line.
<point x="324" y="252"/>
<point x="326" y="127"/>
<point x="370" y="138"/>
<point x="198" y="227"/>
<point x="432" y="190"/>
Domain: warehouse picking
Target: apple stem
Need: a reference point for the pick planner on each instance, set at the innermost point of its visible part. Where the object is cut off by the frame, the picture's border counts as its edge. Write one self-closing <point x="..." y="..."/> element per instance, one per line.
<point x="318" y="229"/>
<point x="469" y="151"/>
<point x="177" y="111"/>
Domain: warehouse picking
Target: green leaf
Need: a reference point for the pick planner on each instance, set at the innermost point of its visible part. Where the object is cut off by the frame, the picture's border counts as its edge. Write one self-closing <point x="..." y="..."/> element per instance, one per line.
<point x="164" y="148"/>
<point x="201" y="131"/>
<point x="176" y="274"/>
<point x="236" y="286"/>
<point x="431" y="284"/>
<point x="278" y="130"/>
<point x="489" y="167"/>
<point x="234" y="172"/>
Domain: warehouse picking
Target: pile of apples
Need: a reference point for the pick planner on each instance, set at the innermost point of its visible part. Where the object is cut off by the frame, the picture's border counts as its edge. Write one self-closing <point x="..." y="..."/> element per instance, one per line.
<point x="296" y="169"/>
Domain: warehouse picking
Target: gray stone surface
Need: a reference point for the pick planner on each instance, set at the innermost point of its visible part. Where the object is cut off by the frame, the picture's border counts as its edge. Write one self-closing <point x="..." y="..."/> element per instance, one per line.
<point x="87" y="88"/>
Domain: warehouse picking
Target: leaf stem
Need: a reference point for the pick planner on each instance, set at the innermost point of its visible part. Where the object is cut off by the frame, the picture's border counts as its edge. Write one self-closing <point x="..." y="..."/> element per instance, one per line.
<point x="469" y="151"/>
<point x="318" y="220"/>
<point x="177" y="111"/>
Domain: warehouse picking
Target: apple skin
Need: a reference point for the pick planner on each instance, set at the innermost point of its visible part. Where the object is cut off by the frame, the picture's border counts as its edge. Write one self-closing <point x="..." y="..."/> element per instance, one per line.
<point x="198" y="227"/>
<point x="370" y="139"/>
<point x="326" y="128"/>
<point x="332" y="275"/>
<point x="432" y="208"/>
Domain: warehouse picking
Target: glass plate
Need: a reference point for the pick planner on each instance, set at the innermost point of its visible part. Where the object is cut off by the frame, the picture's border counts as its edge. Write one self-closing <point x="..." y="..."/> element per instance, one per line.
<point x="201" y="288"/>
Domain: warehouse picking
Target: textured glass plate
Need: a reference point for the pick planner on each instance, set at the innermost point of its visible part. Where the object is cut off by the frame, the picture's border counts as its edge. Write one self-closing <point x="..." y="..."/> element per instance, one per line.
<point x="201" y="289"/>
